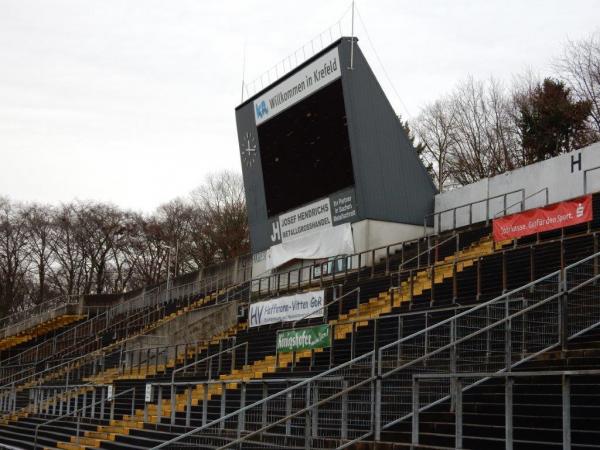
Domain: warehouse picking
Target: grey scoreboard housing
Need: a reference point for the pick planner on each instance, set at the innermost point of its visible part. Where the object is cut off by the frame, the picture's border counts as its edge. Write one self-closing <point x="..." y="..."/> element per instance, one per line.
<point x="390" y="182"/>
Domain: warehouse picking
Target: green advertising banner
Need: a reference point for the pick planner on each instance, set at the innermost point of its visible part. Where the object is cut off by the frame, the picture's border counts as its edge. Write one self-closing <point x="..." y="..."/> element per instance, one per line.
<point x="303" y="339"/>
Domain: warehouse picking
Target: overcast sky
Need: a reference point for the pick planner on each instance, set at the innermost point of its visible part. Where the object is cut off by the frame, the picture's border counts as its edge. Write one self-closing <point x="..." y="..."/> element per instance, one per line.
<point x="133" y="101"/>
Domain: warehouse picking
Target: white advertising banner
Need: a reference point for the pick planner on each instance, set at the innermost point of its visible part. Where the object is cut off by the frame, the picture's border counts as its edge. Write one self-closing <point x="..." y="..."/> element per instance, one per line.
<point x="287" y="309"/>
<point x="331" y="241"/>
<point x="312" y="217"/>
<point x="300" y="85"/>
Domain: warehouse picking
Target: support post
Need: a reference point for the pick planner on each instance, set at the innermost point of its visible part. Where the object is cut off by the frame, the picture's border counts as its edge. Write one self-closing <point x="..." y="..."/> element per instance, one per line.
<point x="288" y="411"/>
<point x="223" y="403"/>
<point x="159" y="404"/>
<point x="508" y="413"/>
<point x="566" y="411"/>
<point x="188" y="407"/>
<point x="307" y="421"/>
<point x="507" y="336"/>
<point x="265" y="393"/>
<point x="344" y="427"/>
<point x="242" y="416"/>
<point x="563" y="319"/>
<point x="205" y="404"/>
<point x="458" y="413"/>
<point x="415" y="410"/>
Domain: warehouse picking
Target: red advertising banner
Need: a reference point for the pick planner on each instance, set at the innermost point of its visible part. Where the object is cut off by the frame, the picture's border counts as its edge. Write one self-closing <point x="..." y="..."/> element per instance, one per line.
<point x="551" y="217"/>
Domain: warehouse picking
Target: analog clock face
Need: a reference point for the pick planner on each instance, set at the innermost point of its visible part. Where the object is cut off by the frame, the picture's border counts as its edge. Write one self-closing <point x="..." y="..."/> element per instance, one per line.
<point x="248" y="149"/>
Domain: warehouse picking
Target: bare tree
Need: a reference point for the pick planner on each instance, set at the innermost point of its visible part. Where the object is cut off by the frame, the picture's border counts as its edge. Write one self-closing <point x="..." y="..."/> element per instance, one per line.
<point x="579" y="65"/>
<point x="97" y="226"/>
<point x="473" y="157"/>
<point x="435" y="129"/>
<point x="175" y="219"/>
<point x="147" y="250"/>
<point x="123" y="256"/>
<point x="40" y="233"/>
<point x="471" y="134"/>
<point x="504" y="139"/>
<point x="68" y="274"/>
<point x="87" y="247"/>
<point x="221" y="200"/>
<point x="13" y="258"/>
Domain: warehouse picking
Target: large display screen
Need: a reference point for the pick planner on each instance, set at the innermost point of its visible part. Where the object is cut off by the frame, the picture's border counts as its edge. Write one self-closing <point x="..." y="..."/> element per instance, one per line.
<point x="305" y="151"/>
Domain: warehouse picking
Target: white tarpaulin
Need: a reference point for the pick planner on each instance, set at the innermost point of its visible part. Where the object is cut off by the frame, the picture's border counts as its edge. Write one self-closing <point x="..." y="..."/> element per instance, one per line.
<point x="332" y="241"/>
<point x="287" y="309"/>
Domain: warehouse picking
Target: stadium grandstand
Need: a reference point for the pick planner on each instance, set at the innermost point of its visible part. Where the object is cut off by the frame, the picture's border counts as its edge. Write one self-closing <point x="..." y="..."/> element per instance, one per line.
<point x="373" y="313"/>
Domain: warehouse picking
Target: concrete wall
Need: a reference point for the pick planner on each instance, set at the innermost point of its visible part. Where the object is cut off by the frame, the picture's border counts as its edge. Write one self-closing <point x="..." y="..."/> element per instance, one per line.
<point x="190" y="327"/>
<point x="563" y="177"/>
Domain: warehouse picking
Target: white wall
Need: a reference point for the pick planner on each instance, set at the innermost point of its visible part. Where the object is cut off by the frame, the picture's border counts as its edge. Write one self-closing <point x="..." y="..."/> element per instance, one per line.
<point x="369" y="234"/>
<point x="557" y="174"/>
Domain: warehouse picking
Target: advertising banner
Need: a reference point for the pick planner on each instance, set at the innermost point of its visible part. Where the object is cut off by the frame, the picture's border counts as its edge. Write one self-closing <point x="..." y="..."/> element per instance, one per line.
<point x="320" y="215"/>
<point x="303" y="339"/>
<point x="287" y="309"/>
<point x="298" y="86"/>
<point x="551" y="217"/>
<point x="309" y="218"/>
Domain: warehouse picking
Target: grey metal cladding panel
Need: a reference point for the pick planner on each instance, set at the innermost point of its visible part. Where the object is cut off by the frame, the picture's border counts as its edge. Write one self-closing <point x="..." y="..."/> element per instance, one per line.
<point x="253" y="184"/>
<point x="392" y="183"/>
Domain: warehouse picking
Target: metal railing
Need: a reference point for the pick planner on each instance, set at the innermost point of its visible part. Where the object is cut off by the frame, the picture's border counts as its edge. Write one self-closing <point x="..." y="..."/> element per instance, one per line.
<point x="469" y="205"/>
<point x="456" y="397"/>
<point x="79" y="413"/>
<point x="522" y="202"/>
<point x="326" y="306"/>
<point x="225" y="272"/>
<point x="120" y="321"/>
<point x="89" y="366"/>
<point x="368" y="263"/>
<point x="73" y="337"/>
<point x="52" y="400"/>
<point x="431" y="250"/>
<point x="234" y="362"/>
<point x="71" y="344"/>
<point x="291" y="412"/>
<point x="496" y="335"/>
<point x="273" y="284"/>
<point x="218" y="388"/>
<point x="96" y="363"/>
<point x="77" y="335"/>
<point x="355" y="325"/>
<point x="16" y="318"/>
<point x="585" y="178"/>
<point x="294" y="60"/>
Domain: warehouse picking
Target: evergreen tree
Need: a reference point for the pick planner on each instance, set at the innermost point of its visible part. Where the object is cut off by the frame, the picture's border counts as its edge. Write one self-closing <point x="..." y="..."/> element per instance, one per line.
<point x="551" y="122"/>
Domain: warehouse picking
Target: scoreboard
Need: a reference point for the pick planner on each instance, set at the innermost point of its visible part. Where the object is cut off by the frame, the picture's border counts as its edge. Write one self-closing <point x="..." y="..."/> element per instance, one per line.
<point x="321" y="148"/>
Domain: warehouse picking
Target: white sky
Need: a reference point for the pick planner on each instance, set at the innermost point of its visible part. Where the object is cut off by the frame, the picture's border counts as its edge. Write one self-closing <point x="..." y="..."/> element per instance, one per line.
<point x="133" y="101"/>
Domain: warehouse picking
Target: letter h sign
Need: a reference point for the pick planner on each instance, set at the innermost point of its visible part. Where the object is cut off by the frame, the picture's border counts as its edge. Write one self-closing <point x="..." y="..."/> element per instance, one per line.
<point x="276" y="236"/>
